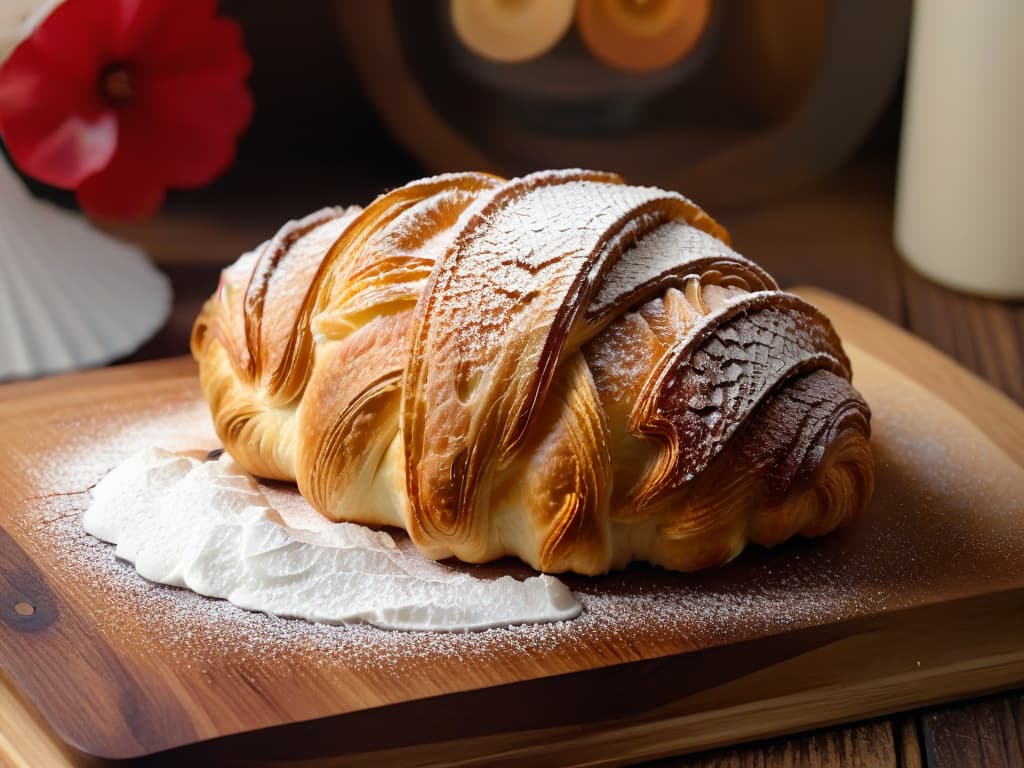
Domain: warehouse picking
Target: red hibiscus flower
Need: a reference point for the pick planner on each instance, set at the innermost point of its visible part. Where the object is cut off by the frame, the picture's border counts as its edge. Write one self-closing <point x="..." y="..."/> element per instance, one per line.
<point x="121" y="99"/>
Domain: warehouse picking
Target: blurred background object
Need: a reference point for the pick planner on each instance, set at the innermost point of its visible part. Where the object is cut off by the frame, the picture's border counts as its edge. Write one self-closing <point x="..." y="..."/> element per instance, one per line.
<point x="961" y="177"/>
<point x="116" y="102"/>
<point x="353" y="98"/>
<point x="510" y="31"/>
<point x="731" y="101"/>
<point x="642" y="35"/>
<point x="71" y="296"/>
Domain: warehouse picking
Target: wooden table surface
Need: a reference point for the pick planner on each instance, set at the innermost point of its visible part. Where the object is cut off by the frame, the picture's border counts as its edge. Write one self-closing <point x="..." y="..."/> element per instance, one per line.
<point x="837" y="236"/>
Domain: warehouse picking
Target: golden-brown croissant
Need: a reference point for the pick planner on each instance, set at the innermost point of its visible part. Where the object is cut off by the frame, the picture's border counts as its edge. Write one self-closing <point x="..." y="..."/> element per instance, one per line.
<point x="559" y="367"/>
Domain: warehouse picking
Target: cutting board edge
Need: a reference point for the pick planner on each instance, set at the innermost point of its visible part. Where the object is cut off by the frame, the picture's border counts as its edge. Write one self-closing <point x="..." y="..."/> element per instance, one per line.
<point x="996" y="673"/>
<point x="183" y="368"/>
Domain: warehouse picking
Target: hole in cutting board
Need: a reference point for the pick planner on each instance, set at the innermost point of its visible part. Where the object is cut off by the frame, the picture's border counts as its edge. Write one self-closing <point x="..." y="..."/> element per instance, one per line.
<point x="24" y="609"/>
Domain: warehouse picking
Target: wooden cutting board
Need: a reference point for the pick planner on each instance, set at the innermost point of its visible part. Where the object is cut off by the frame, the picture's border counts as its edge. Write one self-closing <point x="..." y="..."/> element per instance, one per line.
<point x="921" y="601"/>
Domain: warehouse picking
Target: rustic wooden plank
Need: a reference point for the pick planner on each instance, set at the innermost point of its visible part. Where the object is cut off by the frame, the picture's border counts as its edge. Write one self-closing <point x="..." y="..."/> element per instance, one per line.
<point x="931" y="653"/>
<point x="777" y="242"/>
<point x="866" y="745"/>
<point x="989" y="732"/>
<point x="985" y="335"/>
<point x="988" y="337"/>
<point x="67" y="386"/>
<point x="909" y="752"/>
<point x="26" y="741"/>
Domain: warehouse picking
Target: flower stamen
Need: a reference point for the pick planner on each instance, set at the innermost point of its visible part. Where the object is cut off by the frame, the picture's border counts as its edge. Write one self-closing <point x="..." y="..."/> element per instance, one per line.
<point x="116" y="85"/>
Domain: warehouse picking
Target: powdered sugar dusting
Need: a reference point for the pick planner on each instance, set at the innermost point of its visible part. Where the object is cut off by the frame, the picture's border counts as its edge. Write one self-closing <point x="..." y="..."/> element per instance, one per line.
<point x="525" y="258"/>
<point x="945" y="496"/>
<point x="669" y="248"/>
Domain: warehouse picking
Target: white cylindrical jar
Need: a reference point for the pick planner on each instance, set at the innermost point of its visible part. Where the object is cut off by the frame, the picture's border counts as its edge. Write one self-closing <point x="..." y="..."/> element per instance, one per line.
<point x="960" y="191"/>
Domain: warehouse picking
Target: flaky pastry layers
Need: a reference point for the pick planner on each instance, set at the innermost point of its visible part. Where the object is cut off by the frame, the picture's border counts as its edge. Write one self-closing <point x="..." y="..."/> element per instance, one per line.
<point x="560" y="367"/>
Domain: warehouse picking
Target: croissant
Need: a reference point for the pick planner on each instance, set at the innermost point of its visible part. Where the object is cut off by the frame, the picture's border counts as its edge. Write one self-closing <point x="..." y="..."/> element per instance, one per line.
<point x="559" y="367"/>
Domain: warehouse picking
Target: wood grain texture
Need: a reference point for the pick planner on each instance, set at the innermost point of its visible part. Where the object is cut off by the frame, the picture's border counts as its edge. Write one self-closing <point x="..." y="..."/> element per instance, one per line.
<point x="686" y="693"/>
<point x="909" y="753"/>
<point x="866" y="745"/>
<point x="26" y="741"/>
<point x="983" y="733"/>
<point x="985" y="335"/>
<point x="57" y="389"/>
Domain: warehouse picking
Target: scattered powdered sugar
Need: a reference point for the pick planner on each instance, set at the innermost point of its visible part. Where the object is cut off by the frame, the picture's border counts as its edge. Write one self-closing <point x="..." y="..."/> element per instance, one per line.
<point x="668" y="248"/>
<point x="205" y="525"/>
<point x="620" y="612"/>
<point x="945" y="523"/>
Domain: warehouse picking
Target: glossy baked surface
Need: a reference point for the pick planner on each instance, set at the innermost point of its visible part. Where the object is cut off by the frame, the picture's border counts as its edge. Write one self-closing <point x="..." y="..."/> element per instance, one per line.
<point x="560" y="367"/>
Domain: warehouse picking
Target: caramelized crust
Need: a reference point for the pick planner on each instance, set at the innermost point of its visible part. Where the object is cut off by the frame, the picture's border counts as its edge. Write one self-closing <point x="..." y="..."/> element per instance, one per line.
<point x="560" y="367"/>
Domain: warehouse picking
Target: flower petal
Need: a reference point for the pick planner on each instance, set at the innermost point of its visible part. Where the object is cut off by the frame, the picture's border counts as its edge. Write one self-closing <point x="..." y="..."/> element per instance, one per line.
<point x="76" y="39"/>
<point x="198" y="103"/>
<point x="52" y="119"/>
<point x="75" y="150"/>
<point x="132" y="185"/>
<point x="189" y="100"/>
<point x="195" y="130"/>
<point x="161" y="28"/>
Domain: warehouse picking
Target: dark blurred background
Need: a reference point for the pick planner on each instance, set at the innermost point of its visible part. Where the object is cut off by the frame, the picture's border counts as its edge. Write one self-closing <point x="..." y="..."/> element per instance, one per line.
<point x="318" y="135"/>
<point x="785" y="127"/>
<point x="353" y="98"/>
